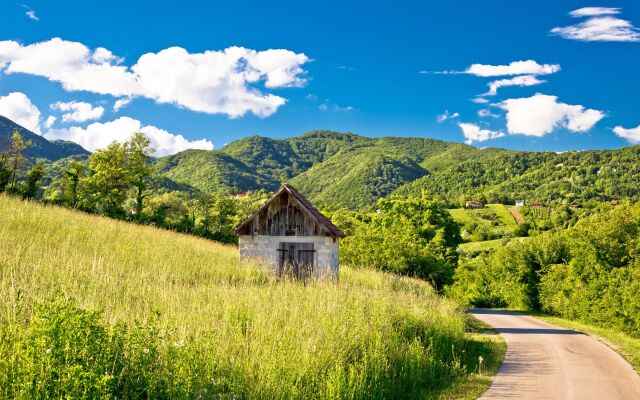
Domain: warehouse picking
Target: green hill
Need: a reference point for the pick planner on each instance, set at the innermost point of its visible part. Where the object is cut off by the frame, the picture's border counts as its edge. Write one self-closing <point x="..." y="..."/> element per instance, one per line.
<point x="40" y="147"/>
<point x="346" y="170"/>
<point x="92" y="307"/>
<point x="548" y="177"/>
<point x="336" y="168"/>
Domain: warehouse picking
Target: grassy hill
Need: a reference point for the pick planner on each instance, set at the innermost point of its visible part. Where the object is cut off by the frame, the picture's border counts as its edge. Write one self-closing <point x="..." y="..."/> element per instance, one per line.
<point x="494" y="221"/>
<point x="96" y="308"/>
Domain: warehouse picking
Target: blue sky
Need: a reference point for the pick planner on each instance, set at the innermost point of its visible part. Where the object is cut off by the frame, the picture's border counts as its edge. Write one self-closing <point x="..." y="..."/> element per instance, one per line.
<point x="366" y="68"/>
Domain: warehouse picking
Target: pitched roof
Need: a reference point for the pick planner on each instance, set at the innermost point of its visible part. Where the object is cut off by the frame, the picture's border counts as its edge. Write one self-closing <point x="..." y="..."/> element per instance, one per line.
<point x="306" y="206"/>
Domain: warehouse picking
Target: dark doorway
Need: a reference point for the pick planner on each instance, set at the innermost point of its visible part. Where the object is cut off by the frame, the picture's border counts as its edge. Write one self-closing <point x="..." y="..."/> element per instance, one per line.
<point x="296" y="260"/>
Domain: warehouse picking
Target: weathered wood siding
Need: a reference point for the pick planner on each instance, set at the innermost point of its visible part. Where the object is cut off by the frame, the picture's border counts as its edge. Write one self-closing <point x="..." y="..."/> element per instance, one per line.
<point x="283" y="217"/>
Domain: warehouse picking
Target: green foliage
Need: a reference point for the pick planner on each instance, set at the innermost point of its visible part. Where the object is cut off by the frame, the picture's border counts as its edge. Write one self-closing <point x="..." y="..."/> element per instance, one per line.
<point x="505" y="176"/>
<point x="31" y="184"/>
<point x="588" y="272"/>
<point x="109" y="180"/>
<point x="408" y="236"/>
<point x="139" y="168"/>
<point x="73" y="173"/>
<point x="180" y="317"/>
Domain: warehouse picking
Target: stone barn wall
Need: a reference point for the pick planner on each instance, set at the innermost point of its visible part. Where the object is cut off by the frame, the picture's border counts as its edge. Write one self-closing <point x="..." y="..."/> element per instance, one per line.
<point x="325" y="263"/>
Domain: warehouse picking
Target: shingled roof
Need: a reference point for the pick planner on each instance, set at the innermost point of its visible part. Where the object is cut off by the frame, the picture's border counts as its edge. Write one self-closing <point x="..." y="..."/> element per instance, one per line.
<point x="305" y="204"/>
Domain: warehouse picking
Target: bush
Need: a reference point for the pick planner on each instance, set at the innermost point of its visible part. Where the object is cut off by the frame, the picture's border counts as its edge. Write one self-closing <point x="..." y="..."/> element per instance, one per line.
<point x="590" y="272"/>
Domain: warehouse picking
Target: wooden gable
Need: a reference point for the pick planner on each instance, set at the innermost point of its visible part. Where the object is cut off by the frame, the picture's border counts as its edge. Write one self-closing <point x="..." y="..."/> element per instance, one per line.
<point x="288" y="213"/>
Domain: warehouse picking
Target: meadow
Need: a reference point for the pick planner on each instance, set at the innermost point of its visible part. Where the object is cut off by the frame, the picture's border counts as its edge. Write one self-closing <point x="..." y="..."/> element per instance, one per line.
<point x="92" y="307"/>
<point x="493" y="221"/>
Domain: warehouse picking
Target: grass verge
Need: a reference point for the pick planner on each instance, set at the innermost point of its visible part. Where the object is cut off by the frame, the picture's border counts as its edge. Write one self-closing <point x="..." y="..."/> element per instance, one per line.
<point x="476" y="383"/>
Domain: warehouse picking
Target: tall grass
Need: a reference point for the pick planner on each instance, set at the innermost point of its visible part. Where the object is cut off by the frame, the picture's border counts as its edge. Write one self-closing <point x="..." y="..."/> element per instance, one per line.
<point x="96" y="308"/>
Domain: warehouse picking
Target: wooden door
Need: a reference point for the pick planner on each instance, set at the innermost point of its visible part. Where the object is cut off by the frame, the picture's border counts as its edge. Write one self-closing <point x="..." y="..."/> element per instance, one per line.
<point x="296" y="260"/>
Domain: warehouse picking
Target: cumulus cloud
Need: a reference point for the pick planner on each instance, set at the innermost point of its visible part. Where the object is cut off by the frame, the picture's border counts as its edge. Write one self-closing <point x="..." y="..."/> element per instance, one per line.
<point x="78" y="111"/>
<point x="541" y="114"/>
<point x="214" y="82"/>
<point x="99" y="135"/>
<point x="601" y="26"/>
<point x="18" y="107"/>
<point x="631" y="135"/>
<point x="473" y="133"/>
<point x="522" y="80"/>
<point x="445" y="116"/>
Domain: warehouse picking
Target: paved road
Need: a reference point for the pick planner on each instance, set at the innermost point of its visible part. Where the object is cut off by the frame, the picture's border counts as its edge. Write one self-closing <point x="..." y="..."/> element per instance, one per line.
<point x="546" y="361"/>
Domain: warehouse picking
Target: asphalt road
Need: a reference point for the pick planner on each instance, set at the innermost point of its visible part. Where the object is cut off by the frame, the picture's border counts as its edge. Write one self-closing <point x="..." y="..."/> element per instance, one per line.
<point x="545" y="361"/>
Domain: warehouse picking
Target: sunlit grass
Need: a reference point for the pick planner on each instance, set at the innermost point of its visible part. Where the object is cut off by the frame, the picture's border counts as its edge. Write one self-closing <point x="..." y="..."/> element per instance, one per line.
<point x="240" y="332"/>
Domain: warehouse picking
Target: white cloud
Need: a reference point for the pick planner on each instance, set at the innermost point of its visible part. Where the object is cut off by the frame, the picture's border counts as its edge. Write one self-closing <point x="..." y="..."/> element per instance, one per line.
<point x="50" y="121"/>
<point x="528" y="67"/>
<point x="473" y="133"/>
<point x="18" y="107"/>
<point x="445" y="116"/>
<point x="522" y="80"/>
<point x="485" y="112"/>
<point x="593" y="11"/>
<point x="631" y="135"/>
<point x="78" y="111"/>
<point x="30" y="13"/>
<point x="479" y="100"/>
<point x="100" y="135"/>
<point x="541" y="114"/>
<point x="215" y="82"/>
<point x="121" y="103"/>
<point x="600" y="26"/>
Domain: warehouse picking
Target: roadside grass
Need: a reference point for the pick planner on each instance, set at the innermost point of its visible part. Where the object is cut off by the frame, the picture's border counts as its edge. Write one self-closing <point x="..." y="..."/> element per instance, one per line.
<point x="96" y="308"/>
<point x="628" y="347"/>
<point x="475" y="384"/>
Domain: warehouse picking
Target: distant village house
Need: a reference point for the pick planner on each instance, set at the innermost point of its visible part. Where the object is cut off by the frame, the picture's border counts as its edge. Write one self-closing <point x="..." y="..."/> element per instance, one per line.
<point x="289" y="234"/>
<point x="473" y="204"/>
<point x="519" y="203"/>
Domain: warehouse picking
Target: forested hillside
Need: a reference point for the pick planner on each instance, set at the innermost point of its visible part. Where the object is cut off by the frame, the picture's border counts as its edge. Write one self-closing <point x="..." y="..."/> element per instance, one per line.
<point x="346" y="170"/>
<point x="40" y="147"/>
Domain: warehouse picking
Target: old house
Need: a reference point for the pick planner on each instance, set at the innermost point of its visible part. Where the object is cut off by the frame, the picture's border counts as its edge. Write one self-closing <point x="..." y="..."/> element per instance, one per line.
<point x="292" y="236"/>
<point x="473" y="204"/>
<point x="519" y="203"/>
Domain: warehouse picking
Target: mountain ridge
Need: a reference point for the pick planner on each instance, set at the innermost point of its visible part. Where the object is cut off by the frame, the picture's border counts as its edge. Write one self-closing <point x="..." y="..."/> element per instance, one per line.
<point x="40" y="147"/>
<point x="343" y="169"/>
